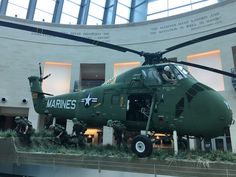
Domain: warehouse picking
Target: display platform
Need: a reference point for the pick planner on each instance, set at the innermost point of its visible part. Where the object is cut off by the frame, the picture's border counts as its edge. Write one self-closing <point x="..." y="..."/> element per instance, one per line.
<point x="13" y="161"/>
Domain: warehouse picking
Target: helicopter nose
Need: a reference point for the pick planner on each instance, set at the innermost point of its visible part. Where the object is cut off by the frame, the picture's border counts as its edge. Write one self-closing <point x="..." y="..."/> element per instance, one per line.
<point x="213" y="113"/>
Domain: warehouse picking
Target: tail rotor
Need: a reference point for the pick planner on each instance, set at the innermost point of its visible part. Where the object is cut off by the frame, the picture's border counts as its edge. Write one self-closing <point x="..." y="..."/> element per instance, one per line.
<point x="40" y="71"/>
<point x="41" y="78"/>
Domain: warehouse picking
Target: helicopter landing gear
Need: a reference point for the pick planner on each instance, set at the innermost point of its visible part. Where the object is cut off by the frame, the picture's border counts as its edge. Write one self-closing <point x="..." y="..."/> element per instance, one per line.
<point x="142" y="146"/>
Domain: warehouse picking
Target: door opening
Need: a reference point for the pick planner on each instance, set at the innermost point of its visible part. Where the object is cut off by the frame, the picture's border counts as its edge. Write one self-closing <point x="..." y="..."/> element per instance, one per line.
<point x="138" y="107"/>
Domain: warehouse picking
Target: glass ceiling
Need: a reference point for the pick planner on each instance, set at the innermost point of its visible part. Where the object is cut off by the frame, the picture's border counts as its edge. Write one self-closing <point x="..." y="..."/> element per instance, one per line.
<point x="96" y="11"/>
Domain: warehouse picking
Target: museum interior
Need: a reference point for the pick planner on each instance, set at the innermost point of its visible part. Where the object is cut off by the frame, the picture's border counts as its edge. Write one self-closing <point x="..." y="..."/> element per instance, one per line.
<point x="78" y="68"/>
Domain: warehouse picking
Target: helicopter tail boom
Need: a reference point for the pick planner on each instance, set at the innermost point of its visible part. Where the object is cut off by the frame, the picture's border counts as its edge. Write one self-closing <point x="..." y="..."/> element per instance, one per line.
<point x="37" y="93"/>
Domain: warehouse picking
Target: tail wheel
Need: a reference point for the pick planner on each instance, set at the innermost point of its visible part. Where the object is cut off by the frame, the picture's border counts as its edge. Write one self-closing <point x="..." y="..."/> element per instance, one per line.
<point x="142" y="146"/>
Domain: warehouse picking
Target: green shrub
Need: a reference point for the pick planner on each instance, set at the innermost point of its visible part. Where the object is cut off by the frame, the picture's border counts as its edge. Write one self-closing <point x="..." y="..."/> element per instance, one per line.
<point x="42" y="134"/>
<point x="8" y="133"/>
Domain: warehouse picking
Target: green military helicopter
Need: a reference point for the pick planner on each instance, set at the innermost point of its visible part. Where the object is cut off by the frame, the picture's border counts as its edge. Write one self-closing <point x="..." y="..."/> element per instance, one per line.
<point x="140" y="98"/>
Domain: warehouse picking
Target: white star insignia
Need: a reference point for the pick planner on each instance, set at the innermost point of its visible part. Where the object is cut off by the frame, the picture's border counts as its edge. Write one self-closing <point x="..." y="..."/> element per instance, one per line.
<point x="88" y="100"/>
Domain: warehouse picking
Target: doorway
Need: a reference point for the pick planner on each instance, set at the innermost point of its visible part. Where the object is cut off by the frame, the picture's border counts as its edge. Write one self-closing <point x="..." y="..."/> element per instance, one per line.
<point x="138" y="107"/>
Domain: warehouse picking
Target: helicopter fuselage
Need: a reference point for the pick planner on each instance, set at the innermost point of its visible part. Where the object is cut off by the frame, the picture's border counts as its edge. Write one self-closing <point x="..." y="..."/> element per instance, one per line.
<point x="187" y="106"/>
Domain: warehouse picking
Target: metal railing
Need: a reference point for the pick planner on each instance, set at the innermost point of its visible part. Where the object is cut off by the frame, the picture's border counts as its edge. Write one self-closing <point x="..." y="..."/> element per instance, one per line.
<point x="174" y="167"/>
<point x="171" y="167"/>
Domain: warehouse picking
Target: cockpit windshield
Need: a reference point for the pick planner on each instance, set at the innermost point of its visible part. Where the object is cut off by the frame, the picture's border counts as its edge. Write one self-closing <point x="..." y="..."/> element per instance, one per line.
<point x="184" y="72"/>
<point x="171" y="73"/>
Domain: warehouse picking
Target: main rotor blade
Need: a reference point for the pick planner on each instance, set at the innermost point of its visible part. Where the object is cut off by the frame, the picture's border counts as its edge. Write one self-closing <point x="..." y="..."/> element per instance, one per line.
<point x="200" y="39"/>
<point x="68" y="36"/>
<point x="205" y="68"/>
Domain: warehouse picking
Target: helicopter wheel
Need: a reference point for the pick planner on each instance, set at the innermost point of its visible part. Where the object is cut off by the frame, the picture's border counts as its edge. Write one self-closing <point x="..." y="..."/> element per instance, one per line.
<point x="141" y="146"/>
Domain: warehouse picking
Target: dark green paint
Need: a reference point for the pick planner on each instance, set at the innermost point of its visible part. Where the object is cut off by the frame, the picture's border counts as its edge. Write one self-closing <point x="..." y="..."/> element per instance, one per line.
<point x="188" y="106"/>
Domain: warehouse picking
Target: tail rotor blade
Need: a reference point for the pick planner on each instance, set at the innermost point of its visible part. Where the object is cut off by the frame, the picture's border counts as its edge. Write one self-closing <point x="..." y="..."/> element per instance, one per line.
<point x="40" y="71"/>
<point x="41" y="78"/>
<point x="46" y="76"/>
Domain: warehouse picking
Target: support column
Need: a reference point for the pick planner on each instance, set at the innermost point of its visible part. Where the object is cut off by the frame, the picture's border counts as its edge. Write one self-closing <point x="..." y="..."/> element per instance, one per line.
<point x="31" y="9"/>
<point x="41" y="122"/>
<point x="225" y="143"/>
<point x="213" y="144"/>
<point x="138" y="11"/>
<point x="69" y="126"/>
<point x="83" y="13"/>
<point x="192" y="143"/>
<point x="108" y="137"/>
<point x="203" y="145"/>
<point x="175" y="138"/>
<point x="57" y="11"/>
<point x="3" y="7"/>
<point x="232" y="137"/>
<point x="109" y="12"/>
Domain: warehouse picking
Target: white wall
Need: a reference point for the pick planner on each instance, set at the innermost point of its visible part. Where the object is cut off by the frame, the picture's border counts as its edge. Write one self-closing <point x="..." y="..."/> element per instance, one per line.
<point x="211" y="59"/>
<point x="60" y="73"/>
<point x="21" y="51"/>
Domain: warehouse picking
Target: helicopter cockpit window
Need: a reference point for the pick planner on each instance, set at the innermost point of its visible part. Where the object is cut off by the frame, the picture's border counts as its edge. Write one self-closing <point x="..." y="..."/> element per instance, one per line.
<point x="151" y="76"/>
<point x="177" y="74"/>
<point x="184" y="72"/>
<point x="168" y="76"/>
